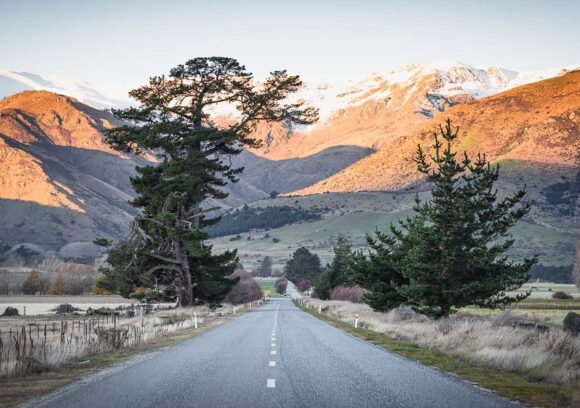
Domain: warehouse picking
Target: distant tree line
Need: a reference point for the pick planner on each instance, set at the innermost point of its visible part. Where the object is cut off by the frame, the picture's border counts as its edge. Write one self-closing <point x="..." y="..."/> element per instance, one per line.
<point x="248" y="218"/>
<point x="550" y="273"/>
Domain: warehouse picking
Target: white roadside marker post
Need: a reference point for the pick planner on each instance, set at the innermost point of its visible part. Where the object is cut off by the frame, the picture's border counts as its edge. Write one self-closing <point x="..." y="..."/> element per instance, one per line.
<point x="356" y="321"/>
<point x="319" y="309"/>
<point x="195" y="320"/>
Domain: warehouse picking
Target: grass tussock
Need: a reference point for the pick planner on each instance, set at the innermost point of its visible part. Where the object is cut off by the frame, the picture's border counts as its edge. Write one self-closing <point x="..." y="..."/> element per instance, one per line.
<point x="505" y="342"/>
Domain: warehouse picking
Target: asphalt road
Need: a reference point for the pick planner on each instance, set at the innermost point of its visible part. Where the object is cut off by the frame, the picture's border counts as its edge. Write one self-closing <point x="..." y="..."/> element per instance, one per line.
<point x="275" y="356"/>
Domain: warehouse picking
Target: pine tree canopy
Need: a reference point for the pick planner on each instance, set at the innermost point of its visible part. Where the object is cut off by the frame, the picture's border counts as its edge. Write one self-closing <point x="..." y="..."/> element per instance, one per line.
<point x="174" y="122"/>
<point x="452" y="252"/>
<point x="265" y="267"/>
<point x="303" y="265"/>
<point x="337" y="272"/>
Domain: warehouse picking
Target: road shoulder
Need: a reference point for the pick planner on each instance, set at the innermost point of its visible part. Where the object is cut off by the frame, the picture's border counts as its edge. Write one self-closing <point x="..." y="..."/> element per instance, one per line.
<point x="505" y="384"/>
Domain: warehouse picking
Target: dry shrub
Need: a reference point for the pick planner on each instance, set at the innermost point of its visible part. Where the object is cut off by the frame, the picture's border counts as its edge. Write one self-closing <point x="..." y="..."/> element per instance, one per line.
<point x="562" y="295"/>
<point x="35" y="283"/>
<point x="246" y="290"/>
<point x="350" y="293"/>
<point x="113" y="338"/>
<point x="304" y="285"/>
<point x="503" y="342"/>
<point x="281" y="285"/>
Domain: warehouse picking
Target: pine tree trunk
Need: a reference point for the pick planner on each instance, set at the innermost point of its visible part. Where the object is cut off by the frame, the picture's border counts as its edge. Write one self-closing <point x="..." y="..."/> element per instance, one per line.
<point x="185" y="289"/>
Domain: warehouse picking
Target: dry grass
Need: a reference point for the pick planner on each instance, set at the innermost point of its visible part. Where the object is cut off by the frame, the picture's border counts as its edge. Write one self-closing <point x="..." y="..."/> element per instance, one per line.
<point x="31" y="348"/>
<point x="500" y="342"/>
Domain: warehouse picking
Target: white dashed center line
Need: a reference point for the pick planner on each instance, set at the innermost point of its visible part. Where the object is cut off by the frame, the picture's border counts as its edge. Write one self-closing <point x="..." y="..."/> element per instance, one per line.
<point x="273" y="344"/>
<point x="273" y="352"/>
<point x="271" y="383"/>
<point x="272" y="364"/>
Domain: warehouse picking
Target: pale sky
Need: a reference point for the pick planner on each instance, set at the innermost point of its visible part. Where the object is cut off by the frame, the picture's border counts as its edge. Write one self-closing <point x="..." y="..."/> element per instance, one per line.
<point x="123" y="42"/>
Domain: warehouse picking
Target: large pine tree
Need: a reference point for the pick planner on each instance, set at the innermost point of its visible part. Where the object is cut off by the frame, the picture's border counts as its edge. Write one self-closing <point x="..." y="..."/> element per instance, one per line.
<point x="173" y="121"/>
<point x="452" y="252"/>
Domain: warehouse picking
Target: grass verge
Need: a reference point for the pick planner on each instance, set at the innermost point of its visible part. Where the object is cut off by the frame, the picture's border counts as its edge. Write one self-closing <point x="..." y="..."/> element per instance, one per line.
<point x="16" y="390"/>
<point x="504" y="383"/>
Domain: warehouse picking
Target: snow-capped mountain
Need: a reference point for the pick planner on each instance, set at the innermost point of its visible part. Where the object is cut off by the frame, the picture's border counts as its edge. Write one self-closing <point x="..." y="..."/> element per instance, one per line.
<point x="15" y="82"/>
<point x="451" y="79"/>
<point x="369" y="112"/>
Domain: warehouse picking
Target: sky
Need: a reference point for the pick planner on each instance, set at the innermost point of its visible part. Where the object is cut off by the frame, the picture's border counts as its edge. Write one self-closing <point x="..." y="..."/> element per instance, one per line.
<point x="120" y="43"/>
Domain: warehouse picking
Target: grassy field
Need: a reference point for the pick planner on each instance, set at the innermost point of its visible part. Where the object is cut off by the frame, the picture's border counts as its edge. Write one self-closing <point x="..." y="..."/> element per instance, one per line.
<point x="267" y="284"/>
<point x="539" y="306"/>
<point x="354" y="215"/>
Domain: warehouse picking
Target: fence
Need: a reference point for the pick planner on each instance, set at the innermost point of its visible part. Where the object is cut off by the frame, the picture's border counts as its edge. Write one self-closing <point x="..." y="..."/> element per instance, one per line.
<point x="33" y="346"/>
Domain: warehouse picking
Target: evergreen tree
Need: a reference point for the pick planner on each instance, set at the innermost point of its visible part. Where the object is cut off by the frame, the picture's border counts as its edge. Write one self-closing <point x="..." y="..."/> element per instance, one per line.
<point x="166" y="246"/>
<point x="451" y="254"/>
<point x="576" y="271"/>
<point x="302" y="265"/>
<point x="265" y="267"/>
<point x="337" y="272"/>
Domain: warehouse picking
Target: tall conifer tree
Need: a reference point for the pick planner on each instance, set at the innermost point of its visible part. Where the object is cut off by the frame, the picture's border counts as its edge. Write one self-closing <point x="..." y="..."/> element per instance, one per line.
<point x="173" y="121"/>
<point x="452" y="252"/>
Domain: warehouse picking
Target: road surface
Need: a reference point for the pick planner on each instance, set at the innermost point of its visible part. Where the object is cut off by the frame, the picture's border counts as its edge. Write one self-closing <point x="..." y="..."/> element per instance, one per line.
<point x="274" y="356"/>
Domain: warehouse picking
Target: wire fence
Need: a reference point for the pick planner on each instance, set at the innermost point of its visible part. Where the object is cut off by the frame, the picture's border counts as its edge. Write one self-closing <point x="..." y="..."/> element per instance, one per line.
<point x="33" y="346"/>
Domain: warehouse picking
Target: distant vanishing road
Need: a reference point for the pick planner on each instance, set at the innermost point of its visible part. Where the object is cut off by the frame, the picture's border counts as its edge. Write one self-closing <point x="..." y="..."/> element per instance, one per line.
<point x="274" y="356"/>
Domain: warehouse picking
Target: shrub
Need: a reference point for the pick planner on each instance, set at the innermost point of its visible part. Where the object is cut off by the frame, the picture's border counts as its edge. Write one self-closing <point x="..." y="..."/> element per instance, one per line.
<point x="561" y="295"/>
<point x="99" y="286"/>
<point x="55" y="287"/>
<point x="144" y="294"/>
<point x="351" y="293"/>
<point x="34" y="283"/>
<point x="246" y="290"/>
<point x="304" y="285"/>
<point x="281" y="285"/>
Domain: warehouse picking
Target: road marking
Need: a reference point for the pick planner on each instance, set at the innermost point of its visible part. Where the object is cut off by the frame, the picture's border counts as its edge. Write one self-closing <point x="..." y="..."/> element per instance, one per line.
<point x="271" y="383"/>
<point x="273" y="352"/>
<point x="273" y="338"/>
<point x="272" y="364"/>
<point x="273" y="344"/>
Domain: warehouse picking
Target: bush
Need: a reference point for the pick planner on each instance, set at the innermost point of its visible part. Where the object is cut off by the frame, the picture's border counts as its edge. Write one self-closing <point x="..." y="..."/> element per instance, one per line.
<point x="35" y="283"/>
<point x="561" y="295"/>
<point x="55" y="287"/>
<point x="304" y="285"/>
<point x="144" y="294"/>
<point x="281" y="285"/>
<point x="246" y="290"/>
<point x="352" y="294"/>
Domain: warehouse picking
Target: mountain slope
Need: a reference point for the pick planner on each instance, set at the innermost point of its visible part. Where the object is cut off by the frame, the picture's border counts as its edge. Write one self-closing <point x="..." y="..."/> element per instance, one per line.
<point x="537" y="124"/>
<point x="385" y="106"/>
<point x="60" y="183"/>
